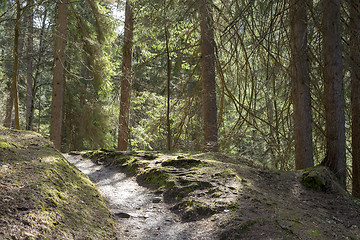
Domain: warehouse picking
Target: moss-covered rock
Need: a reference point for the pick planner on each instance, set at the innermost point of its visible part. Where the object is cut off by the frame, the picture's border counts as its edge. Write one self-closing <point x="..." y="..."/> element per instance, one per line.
<point x="320" y="178"/>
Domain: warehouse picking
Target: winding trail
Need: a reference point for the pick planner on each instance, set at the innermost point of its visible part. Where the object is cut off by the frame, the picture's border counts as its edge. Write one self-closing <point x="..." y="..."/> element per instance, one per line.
<point x="138" y="212"/>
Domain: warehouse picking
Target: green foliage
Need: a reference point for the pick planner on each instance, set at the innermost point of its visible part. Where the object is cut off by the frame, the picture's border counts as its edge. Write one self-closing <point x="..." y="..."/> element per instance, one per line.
<point x="148" y="130"/>
<point x="253" y="82"/>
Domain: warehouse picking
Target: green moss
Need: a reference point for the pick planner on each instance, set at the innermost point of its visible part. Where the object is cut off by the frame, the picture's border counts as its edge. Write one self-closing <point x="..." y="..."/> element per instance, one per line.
<point x="157" y="177"/>
<point x="313" y="233"/>
<point x="194" y="209"/>
<point x="7" y="146"/>
<point x="315" y="178"/>
<point x="56" y="199"/>
<point x="134" y="165"/>
<point x="227" y="205"/>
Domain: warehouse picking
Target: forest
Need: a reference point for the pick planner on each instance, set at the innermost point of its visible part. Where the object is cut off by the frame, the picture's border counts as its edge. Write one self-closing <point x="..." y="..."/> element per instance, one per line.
<point x="273" y="81"/>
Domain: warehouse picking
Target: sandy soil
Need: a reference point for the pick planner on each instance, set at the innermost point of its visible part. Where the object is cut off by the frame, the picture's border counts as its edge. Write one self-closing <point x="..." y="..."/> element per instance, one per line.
<point x="138" y="212"/>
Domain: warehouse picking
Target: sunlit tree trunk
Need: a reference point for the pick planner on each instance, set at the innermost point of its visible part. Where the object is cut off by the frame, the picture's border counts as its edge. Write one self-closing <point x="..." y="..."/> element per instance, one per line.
<point x="18" y="53"/>
<point x="334" y="91"/>
<point x="207" y="47"/>
<point x="29" y="75"/>
<point x="58" y="73"/>
<point x="354" y="6"/>
<point x="300" y="85"/>
<point x="126" y="80"/>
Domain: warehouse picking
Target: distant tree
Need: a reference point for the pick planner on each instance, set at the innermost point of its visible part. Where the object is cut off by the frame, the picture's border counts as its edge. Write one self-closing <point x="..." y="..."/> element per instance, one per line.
<point x="300" y="85"/>
<point x="334" y="91"/>
<point x="58" y="73"/>
<point x="354" y="6"/>
<point x="126" y="80"/>
<point x="207" y="47"/>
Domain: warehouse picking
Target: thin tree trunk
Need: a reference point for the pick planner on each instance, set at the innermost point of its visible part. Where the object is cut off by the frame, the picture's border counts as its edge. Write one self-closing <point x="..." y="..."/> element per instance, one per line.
<point x="354" y="6"/>
<point x="16" y="62"/>
<point x="168" y="92"/>
<point x="59" y="75"/>
<point x="301" y="85"/>
<point x="126" y="81"/>
<point x="29" y="75"/>
<point x="10" y="101"/>
<point x="207" y="46"/>
<point x="334" y="91"/>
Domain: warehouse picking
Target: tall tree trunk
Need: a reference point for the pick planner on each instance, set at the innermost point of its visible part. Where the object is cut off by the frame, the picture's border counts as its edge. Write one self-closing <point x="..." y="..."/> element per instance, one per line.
<point x="168" y="92"/>
<point x="29" y="75"/>
<point x="16" y="62"/>
<point x="58" y="72"/>
<point x="126" y="80"/>
<point x="354" y="6"/>
<point x="207" y="46"/>
<point x="300" y="85"/>
<point x="10" y="101"/>
<point x="334" y="91"/>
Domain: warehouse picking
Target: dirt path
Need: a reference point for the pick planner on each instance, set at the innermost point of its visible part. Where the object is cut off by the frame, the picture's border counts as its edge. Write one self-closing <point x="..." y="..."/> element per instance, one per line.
<point x="138" y="212"/>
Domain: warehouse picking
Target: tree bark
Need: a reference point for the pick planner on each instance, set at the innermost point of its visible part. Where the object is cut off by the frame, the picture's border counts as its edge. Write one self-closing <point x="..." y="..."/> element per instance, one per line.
<point x="58" y="74"/>
<point x="354" y="6"/>
<point x="168" y="82"/>
<point x="334" y="91"/>
<point x="10" y="101"/>
<point x="16" y="62"/>
<point x="29" y="74"/>
<point x="9" y="107"/>
<point x="207" y="47"/>
<point x="300" y="85"/>
<point x="126" y="80"/>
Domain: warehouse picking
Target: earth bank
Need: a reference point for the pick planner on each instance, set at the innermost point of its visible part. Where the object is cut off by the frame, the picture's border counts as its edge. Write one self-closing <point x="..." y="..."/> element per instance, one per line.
<point x="43" y="197"/>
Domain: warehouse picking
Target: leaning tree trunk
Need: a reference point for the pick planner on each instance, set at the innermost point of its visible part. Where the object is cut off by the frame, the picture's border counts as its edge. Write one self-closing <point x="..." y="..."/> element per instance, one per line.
<point x="300" y="85"/>
<point x="126" y="81"/>
<point x="334" y="91"/>
<point x="207" y="47"/>
<point x="58" y="73"/>
<point x="354" y="7"/>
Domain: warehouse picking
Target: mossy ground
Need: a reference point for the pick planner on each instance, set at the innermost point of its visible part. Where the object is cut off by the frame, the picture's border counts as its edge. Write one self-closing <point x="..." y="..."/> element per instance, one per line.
<point x="245" y="200"/>
<point x="43" y="197"/>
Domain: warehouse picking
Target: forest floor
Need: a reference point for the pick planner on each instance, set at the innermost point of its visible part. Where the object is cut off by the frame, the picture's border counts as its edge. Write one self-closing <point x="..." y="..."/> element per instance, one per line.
<point x="154" y="195"/>
<point x="213" y="196"/>
<point x="43" y="197"/>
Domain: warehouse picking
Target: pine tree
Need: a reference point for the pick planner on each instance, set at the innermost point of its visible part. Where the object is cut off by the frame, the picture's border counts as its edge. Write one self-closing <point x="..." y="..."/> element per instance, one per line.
<point x="300" y="85"/>
<point x="58" y="74"/>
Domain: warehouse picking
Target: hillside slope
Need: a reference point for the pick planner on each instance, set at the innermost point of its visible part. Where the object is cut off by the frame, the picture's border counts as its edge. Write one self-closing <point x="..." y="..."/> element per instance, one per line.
<point x="244" y="200"/>
<point x="43" y="197"/>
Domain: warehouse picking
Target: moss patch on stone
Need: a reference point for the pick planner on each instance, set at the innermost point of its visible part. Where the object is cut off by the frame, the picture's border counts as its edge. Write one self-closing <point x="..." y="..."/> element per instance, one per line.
<point x="319" y="178"/>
